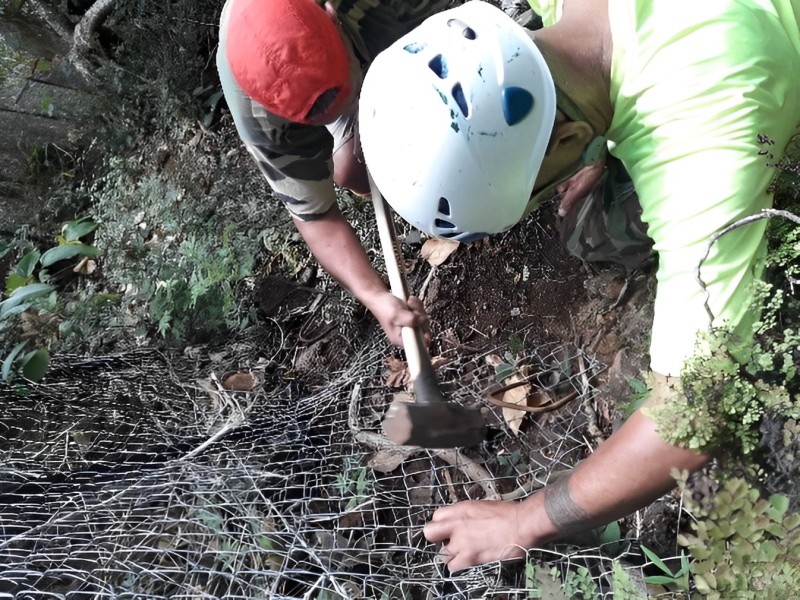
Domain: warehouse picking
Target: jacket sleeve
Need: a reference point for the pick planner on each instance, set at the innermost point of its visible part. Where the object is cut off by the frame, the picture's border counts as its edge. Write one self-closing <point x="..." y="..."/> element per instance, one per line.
<point x="295" y="159"/>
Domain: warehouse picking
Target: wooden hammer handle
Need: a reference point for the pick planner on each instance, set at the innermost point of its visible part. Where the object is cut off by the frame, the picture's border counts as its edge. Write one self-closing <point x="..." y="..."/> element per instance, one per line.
<point x="426" y="386"/>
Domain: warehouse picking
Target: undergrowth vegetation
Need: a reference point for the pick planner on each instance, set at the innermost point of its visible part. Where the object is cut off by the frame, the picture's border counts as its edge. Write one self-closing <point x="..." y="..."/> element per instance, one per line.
<point x="152" y="257"/>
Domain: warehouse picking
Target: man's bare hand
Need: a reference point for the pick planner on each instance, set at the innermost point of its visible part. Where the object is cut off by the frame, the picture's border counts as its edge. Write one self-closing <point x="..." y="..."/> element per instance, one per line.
<point x="393" y="314"/>
<point x="475" y="532"/>
<point x="579" y="186"/>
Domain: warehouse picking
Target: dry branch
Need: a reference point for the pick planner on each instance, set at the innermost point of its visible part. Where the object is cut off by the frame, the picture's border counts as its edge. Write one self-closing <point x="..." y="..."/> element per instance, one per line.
<point x="83" y="38"/>
<point x="766" y="213"/>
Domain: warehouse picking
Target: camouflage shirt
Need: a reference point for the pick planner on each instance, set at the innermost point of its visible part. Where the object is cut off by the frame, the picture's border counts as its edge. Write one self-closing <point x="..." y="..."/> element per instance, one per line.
<point x="296" y="159"/>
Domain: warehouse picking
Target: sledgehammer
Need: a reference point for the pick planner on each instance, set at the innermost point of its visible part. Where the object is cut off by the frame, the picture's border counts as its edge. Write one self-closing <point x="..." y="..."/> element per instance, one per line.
<point x="430" y="421"/>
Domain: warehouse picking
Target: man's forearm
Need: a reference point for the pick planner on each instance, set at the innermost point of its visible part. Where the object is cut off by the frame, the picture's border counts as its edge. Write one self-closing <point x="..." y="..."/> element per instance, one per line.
<point x="338" y="250"/>
<point x="630" y="470"/>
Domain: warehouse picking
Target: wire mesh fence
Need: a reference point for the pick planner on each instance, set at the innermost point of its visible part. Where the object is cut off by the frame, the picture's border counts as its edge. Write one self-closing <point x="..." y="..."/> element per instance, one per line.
<point x="121" y="478"/>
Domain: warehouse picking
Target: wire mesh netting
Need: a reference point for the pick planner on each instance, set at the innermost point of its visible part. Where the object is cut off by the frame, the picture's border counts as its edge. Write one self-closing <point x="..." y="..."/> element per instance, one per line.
<point x="120" y="479"/>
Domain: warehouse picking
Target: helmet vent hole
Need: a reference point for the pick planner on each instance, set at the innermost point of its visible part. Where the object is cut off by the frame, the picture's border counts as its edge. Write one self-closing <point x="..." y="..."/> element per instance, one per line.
<point x="414" y="47"/>
<point x="517" y="104"/>
<point x="442" y="224"/>
<point x="439" y="66"/>
<point x="461" y="100"/>
<point x="444" y="207"/>
<point x="467" y="31"/>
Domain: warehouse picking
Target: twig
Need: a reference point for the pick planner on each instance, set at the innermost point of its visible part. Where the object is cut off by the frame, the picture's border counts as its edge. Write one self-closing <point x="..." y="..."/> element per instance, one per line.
<point x="83" y="38"/>
<point x="550" y="407"/>
<point x="214" y="438"/>
<point x="427" y="281"/>
<point x="450" y="487"/>
<point x="473" y="471"/>
<point x="526" y="489"/>
<point x="766" y="213"/>
<point x="592" y="426"/>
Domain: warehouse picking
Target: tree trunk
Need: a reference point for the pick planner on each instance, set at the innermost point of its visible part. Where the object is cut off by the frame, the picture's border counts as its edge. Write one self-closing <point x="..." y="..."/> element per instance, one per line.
<point x="85" y="30"/>
<point x="44" y="107"/>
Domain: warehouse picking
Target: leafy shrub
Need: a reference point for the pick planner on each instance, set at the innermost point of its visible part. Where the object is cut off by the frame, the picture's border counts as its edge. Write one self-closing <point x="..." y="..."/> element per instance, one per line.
<point x="743" y="545"/>
<point x="177" y="268"/>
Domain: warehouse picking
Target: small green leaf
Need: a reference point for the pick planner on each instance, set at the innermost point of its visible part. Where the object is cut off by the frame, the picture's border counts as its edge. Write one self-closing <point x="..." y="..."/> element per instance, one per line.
<point x="659" y="579"/>
<point x="42" y="65"/>
<point x="778" y="505"/>
<point x="15" y="310"/>
<point x="27" y="264"/>
<point x="766" y="552"/>
<point x="658" y="562"/>
<point x="9" y="360"/>
<point x="66" y="251"/>
<point x="75" y="230"/>
<point x="503" y="370"/>
<point x="264" y="543"/>
<point x="610" y="534"/>
<point x="702" y="585"/>
<point x="35" y="363"/>
<point x="15" y="281"/>
<point x="26" y="292"/>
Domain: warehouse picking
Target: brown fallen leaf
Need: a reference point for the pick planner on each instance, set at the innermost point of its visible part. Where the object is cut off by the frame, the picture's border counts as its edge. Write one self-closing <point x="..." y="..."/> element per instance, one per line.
<point x="85" y="267"/>
<point x="518" y="396"/>
<point x="398" y="375"/>
<point x="522" y="395"/>
<point x="239" y="382"/>
<point x="436" y="251"/>
<point x="440" y="361"/>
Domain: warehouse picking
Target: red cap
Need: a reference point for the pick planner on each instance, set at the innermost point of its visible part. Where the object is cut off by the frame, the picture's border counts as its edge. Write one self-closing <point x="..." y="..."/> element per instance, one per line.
<point x="285" y="53"/>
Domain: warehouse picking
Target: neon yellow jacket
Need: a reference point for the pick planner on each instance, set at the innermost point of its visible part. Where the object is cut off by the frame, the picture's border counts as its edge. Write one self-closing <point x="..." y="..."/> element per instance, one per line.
<point x="706" y="97"/>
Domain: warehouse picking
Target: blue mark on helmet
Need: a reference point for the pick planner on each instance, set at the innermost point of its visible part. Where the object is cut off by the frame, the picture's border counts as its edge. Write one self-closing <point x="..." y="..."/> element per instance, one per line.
<point x="454" y="122"/>
<point x="439" y="66"/>
<point x="461" y="100"/>
<point x="414" y="47"/>
<point x="517" y="104"/>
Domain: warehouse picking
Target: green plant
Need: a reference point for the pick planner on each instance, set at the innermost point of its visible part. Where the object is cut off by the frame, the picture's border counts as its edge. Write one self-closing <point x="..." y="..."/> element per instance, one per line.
<point x="732" y="383"/>
<point x="181" y="268"/>
<point x="29" y="313"/>
<point x="623" y="584"/>
<point x="743" y="545"/>
<point x="678" y="580"/>
<point x="639" y="393"/>
<point x="578" y="583"/>
<point x="355" y="481"/>
<point x="510" y="462"/>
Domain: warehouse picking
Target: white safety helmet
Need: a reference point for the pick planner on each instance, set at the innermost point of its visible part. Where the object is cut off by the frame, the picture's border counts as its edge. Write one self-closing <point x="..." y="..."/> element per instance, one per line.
<point x="454" y="121"/>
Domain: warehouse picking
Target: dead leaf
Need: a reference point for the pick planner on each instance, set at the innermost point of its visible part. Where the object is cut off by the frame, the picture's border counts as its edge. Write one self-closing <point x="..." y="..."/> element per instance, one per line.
<point x="85" y="267"/>
<point x="398" y="375"/>
<point x="239" y="382"/>
<point x="494" y="360"/>
<point x="439" y="361"/>
<point x="522" y="395"/>
<point x="518" y="396"/>
<point x="387" y="460"/>
<point x="436" y="251"/>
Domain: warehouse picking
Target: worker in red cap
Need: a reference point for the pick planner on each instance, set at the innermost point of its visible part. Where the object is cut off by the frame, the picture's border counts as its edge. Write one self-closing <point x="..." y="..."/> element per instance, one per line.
<point x="291" y="73"/>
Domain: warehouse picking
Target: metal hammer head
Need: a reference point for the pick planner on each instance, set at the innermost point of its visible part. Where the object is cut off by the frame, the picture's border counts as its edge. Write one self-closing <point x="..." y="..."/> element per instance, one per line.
<point x="434" y="425"/>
